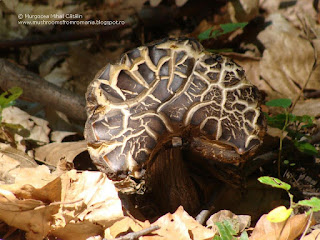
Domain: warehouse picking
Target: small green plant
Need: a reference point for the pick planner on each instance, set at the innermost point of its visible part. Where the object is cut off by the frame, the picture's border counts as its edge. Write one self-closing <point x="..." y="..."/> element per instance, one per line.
<point x="227" y="231"/>
<point x="281" y="213"/>
<point x="223" y="29"/>
<point x="8" y="98"/>
<point x="292" y="125"/>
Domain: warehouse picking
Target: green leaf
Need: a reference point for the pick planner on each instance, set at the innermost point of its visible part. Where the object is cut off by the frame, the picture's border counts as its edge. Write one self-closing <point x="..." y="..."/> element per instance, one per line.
<point x="7" y="98"/>
<point x="306" y="147"/>
<point x="276" y="121"/>
<point x="15" y="92"/>
<point x="314" y="203"/>
<point x="216" y="237"/>
<point x="230" y="226"/>
<point x="221" y="50"/>
<point x="305" y="118"/>
<point x="279" y="214"/>
<point x="223" y="29"/>
<point x="280" y="102"/>
<point x="209" y="33"/>
<point x="244" y="236"/>
<point x="274" y="182"/>
<point x="224" y="231"/>
<point x="230" y="27"/>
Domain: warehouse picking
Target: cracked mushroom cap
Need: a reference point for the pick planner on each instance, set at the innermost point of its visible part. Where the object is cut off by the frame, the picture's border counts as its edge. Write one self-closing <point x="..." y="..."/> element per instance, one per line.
<point x="169" y="89"/>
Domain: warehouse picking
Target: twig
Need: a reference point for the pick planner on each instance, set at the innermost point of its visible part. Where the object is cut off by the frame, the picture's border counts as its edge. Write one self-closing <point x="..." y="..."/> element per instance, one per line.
<point x="91" y="32"/>
<point x="258" y="161"/>
<point x="281" y="141"/>
<point x="313" y="94"/>
<point x="136" y="235"/>
<point x="37" y="89"/>
<point x="207" y="209"/>
<point x="203" y="216"/>
<point x="312" y="194"/>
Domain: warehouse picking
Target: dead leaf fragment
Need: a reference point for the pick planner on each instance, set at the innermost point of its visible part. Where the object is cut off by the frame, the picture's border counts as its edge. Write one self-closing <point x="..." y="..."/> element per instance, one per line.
<point x="314" y="235"/>
<point x="123" y="226"/>
<point x="287" y="60"/>
<point x="154" y="3"/>
<point x="38" y="127"/>
<point x="28" y="215"/>
<point x="11" y="4"/>
<point x="58" y="136"/>
<point x="179" y="225"/>
<point x="59" y="75"/>
<point x="309" y="107"/>
<point x="73" y="206"/>
<point x="17" y="168"/>
<point x="289" y="230"/>
<point x="243" y="10"/>
<point x="52" y="153"/>
<point x="25" y="175"/>
<point x="180" y="3"/>
<point x="240" y="222"/>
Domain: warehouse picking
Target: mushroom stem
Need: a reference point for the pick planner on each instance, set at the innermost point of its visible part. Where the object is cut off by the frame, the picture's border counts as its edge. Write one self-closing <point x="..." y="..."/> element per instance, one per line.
<point x="171" y="183"/>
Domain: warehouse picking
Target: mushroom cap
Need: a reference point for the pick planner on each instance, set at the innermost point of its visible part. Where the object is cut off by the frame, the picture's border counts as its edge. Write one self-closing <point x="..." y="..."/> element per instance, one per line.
<point x="169" y="89"/>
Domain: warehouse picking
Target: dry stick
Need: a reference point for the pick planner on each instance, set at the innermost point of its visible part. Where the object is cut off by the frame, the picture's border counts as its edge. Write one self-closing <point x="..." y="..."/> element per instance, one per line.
<point x="37" y="89"/>
<point x="136" y="235"/>
<point x="62" y="36"/>
<point x="148" y="16"/>
<point x="314" y="94"/>
<point x="259" y="161"/>
<point x="205" y="213"/>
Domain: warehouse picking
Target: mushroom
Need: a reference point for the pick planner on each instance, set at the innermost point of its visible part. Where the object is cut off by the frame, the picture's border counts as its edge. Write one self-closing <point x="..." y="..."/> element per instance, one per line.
<point x="170" y="94"/>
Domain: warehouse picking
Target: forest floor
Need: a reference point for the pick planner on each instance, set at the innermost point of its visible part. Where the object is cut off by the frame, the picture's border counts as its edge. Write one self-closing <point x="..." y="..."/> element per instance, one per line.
<point x="49" y="188"/>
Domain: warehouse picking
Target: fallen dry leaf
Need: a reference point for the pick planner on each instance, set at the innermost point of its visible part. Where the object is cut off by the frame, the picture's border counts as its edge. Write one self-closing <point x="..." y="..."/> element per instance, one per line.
<point x="269" y="5"/>
<point x="17" y="168"/>
<point x="179" y="225"/>
<point x="309" y="107"/>
<point x="154" y="3"/>
<point x="22" y="159"/>
<point x="11" y="4"/>
<point x="276" y="132"/>
<point x="289" y="230"/>
<point x="26" y="175"/>
<point x="37" y="127"/>
<point x="240" y="222"/>
<point x="243" y="10"/>
<point x="46" y="66"/>
<point x="58" y="136"/>
<point x="59" y="75"/>
<point x="314" y="235"/>
<point x="29" y="215"/>
<point x="180" y="3"/>
<point x="52" y="153"/>
<point x="124" y="226"/>
<point x="284" y="66"/>
<point x="73" y="206"/>
<point x="293" y="12"/>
